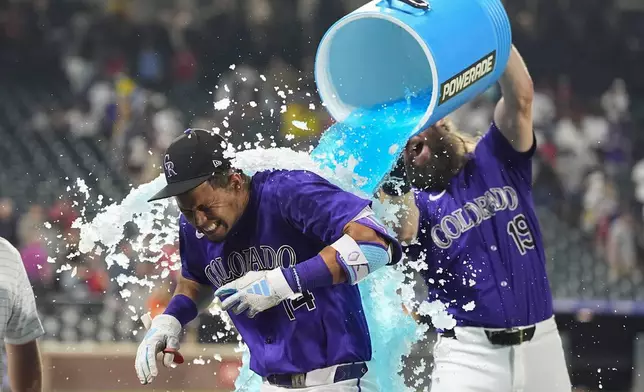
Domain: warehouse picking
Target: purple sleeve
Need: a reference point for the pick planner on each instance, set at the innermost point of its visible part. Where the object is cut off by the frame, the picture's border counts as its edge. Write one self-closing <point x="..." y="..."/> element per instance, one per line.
<point x="314" y="206"/>
<point x="494" y="147"/>
<point x="189" y="252"/>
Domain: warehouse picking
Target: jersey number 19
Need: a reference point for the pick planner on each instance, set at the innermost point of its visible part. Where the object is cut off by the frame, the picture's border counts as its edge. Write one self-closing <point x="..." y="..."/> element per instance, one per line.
<point x="520" y="233"/>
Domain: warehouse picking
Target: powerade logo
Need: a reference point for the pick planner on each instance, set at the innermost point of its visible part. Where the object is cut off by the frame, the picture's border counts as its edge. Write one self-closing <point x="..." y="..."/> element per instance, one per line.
<point x="467" y="77"/>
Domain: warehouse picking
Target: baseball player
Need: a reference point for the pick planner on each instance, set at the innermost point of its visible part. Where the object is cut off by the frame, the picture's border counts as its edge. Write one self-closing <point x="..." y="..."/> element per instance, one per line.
<point x="284" y="251"/>
<point x="20" y="325"/>
<point x="471" y="217"/>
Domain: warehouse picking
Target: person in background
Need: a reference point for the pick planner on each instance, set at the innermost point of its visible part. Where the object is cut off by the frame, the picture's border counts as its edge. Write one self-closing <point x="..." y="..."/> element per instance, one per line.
<point x="8" y="221"/>
<point x="20" y="325"/>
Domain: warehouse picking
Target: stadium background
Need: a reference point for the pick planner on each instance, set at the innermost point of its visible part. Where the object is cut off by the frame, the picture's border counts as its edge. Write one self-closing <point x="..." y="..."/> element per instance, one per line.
<point x="97" y="89"/>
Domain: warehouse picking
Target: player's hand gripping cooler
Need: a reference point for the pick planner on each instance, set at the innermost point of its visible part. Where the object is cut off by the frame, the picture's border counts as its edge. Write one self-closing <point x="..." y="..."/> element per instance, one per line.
<point x="385" y="72"/>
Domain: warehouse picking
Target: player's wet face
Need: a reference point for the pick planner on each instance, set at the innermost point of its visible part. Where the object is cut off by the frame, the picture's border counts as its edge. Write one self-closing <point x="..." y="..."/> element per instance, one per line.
<point x="429" y="159"/>
<point x="213" y="210"/>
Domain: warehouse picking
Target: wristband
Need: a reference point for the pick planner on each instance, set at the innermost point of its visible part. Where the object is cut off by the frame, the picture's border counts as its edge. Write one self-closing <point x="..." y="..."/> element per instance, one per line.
<point x="308" y="275"/>
<point x="182" y="308"/>
<point x="297" y="280"/>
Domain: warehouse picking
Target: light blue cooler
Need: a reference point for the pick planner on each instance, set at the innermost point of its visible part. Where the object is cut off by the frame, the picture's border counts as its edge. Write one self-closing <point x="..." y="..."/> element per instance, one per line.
<point x="422" y="59"/>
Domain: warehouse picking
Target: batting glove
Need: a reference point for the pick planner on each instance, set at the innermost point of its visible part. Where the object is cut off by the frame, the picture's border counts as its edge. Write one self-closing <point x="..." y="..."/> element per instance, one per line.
<point x="255" y="292"/>
<point x="163" y="336"/>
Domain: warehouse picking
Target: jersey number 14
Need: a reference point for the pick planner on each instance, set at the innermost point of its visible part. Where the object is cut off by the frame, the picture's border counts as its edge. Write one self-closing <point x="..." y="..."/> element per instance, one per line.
<point x="291" y="305"/>
<point x="520" y="233"/>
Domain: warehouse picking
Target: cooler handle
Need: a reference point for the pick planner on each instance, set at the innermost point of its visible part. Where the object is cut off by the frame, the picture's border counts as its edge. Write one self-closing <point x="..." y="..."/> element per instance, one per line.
<point x="420" y="4"/>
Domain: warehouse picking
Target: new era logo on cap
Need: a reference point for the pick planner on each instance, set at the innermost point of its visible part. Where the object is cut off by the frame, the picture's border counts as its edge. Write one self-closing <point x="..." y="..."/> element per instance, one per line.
<point x="216" y="163"/>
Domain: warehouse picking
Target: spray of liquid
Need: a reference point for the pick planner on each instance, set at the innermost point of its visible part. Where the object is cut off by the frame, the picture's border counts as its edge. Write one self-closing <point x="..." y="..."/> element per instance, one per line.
<point x="355" y="155"/>
<point x="370" y="139"/>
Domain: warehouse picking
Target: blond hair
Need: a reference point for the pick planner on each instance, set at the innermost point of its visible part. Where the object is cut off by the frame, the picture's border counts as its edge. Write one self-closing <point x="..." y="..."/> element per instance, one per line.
<point x="463" y="143"/>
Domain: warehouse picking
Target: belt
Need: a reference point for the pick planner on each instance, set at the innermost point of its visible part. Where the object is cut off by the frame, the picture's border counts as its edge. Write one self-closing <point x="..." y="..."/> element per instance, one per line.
<point x="298" y="380"/>
<point x="507" y="337"/>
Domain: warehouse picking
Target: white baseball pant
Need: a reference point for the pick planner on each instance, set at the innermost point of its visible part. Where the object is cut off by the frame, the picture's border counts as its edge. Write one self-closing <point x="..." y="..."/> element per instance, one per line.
<point x="470" y="363"/>
<point x="321" y="377"/>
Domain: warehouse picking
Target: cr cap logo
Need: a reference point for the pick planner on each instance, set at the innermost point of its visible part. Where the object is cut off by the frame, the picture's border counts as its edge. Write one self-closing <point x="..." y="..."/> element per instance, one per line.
<point x="464" y="79"/>
<point x="169" y="166"/>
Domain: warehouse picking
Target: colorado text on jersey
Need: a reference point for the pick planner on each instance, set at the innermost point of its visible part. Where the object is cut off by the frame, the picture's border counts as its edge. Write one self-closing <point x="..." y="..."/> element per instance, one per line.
<point x="472" y="214"/>
<point x="249" y="259"/>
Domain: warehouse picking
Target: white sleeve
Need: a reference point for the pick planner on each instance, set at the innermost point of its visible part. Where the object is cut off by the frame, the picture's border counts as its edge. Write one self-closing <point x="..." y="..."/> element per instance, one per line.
<point x="22" y="322"/>
<point x="366" y="212"/>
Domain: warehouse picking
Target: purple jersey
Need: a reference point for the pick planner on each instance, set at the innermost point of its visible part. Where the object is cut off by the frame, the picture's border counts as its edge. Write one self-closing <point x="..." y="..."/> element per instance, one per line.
<point x="482" y="241"/>
<point x="291" y="216"/>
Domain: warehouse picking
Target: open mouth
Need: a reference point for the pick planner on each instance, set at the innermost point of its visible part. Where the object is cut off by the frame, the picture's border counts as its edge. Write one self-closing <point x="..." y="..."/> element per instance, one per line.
<point x="211" y="228"/>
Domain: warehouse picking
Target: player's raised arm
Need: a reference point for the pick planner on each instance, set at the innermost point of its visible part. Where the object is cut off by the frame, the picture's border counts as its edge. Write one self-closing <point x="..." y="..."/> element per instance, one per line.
<point x="513" y="113"/>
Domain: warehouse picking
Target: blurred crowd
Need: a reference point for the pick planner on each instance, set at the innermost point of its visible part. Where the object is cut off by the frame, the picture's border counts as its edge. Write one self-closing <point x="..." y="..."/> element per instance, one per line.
<point x="136" y="73"/>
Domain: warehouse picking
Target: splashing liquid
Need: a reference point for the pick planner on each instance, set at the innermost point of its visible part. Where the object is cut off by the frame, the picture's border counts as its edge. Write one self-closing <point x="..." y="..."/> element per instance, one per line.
<point x="367" y="144"/>
<point x="372" y="138"/>
<point x="355" y="155"/>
